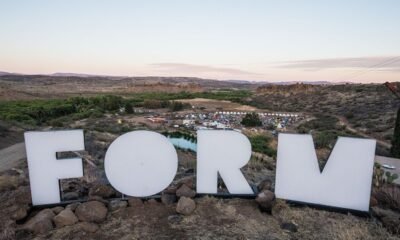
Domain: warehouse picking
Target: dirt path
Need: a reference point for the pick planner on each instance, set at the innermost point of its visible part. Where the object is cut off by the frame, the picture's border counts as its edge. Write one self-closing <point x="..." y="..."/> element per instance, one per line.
<point x="345" y="123"/>
<point x="214" y="105"/>
<point x="11" y="156"/>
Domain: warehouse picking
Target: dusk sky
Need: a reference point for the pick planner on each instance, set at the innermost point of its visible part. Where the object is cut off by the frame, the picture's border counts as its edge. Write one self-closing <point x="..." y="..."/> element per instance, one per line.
<point x="339" y="40"/>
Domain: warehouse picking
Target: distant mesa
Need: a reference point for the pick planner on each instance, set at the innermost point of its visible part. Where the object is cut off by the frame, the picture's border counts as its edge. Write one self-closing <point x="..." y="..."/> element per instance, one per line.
<point x="7" y="73"/>
<point x="174" y="79"/>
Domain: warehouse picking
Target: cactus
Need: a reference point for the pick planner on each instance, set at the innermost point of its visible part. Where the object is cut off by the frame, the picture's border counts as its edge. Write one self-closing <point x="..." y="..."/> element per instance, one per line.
<point x="391" y="177"/>
<point x="378" y="179"/>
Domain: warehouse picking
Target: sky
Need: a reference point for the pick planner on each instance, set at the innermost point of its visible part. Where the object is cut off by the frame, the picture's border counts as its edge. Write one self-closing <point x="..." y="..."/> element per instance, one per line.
<point x="259" y="40"/>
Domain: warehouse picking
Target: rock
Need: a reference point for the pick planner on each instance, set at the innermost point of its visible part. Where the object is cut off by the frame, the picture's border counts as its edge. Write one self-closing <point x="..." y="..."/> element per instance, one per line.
<point x="168" y="199"/>
<point x="41" y="222"/>
<point x="289" y="226"/>
<point x="135" y="202"/>
<point x="70" y="196"/>
<point x="101" y="190"/>
<point x="19" y="214"/>
<point x="185" y="206"/>
<point x="117" y="204"/>
<point x="265" y="184"/>
<point x="188" y="181"/>
<point x="98" y="199"/>
<point x="72" y="206"/>
<point x="170" y="190"/>
<point x="389" y="219"/>
<point x="88" y="227"/>
<point x="57" y="210"/>
<point x="185" y="191"/>
<point x="92" y="211"/>
<point x="265" y="200"/>
<point x="65" y="218"/>
<point x="152" y="202"/>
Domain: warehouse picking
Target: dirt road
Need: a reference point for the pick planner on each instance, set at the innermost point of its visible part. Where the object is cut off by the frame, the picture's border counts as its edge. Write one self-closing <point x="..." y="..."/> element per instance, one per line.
<point x="344" y="122"/>
<point x="11" y="156"/>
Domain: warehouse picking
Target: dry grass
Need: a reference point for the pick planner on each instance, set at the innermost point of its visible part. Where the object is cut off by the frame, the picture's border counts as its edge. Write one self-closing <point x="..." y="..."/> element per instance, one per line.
<point x="320" y="224"/>
<point x="389" y="196"/>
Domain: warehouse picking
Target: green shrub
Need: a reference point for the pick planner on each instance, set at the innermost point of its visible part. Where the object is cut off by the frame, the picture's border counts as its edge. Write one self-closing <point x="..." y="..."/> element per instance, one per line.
<point x="128" y="108"/>
<point x="324" y="139"/>
<point x="260" y="143"/>
<point x="251" y="120"/>
<point x="395" y="150"/>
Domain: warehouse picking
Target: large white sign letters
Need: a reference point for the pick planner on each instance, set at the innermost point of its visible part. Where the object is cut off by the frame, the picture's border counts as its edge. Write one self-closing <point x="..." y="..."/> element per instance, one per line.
<point x="345" y="181"/>
<point x="223" y="152"/>
<point x="45" y="170"/>
<point x="143" y="163"/>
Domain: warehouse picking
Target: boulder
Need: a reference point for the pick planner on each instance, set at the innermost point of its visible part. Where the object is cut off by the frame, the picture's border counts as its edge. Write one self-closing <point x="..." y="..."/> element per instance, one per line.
<point x="168" y="199"/>
<point x="265" y="200"/>
<point x="65" y="218"/>
<point x="135" y="202"/>
<point x="98" y="199"/>
<point x="152" y="202"/>
<point x="170" y="190"/>
<point x="188" y="181"/>
<point x="19" y="214"/>
<point x="117" y="204"/>
<point x="185" y="191"/>
<point x="185" y="206"/>
<point x="92" y="211"/>
<point x="57" y="210"/>
<point x="101" y="190"/>
<point x="72" y="206"/>
<point x="41" y="222"/>
<point x="70" y="196"/>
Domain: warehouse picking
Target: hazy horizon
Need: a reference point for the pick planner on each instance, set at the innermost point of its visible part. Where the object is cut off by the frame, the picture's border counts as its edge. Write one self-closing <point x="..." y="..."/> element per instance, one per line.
<point x="336" y="41"/>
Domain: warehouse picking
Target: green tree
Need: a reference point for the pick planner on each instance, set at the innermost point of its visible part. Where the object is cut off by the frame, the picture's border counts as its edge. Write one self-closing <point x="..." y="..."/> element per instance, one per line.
<point x="176" y="106"/>
<point x="395" y="150"/>
<point x="128" y="108"/>
<point x="251" y="120"/>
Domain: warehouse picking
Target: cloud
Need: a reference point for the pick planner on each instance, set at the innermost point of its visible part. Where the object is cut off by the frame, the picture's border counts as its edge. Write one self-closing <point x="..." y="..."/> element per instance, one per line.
<point x="389" y="63"/>
<point x="183" y="68"/>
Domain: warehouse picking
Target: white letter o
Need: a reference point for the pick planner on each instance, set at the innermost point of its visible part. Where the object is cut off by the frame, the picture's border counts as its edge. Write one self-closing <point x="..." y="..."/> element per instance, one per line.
<point x="141" y="163"/>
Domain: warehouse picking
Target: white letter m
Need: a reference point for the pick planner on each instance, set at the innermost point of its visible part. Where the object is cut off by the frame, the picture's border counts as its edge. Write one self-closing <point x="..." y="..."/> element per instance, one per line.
<point x="345" y="182"/>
